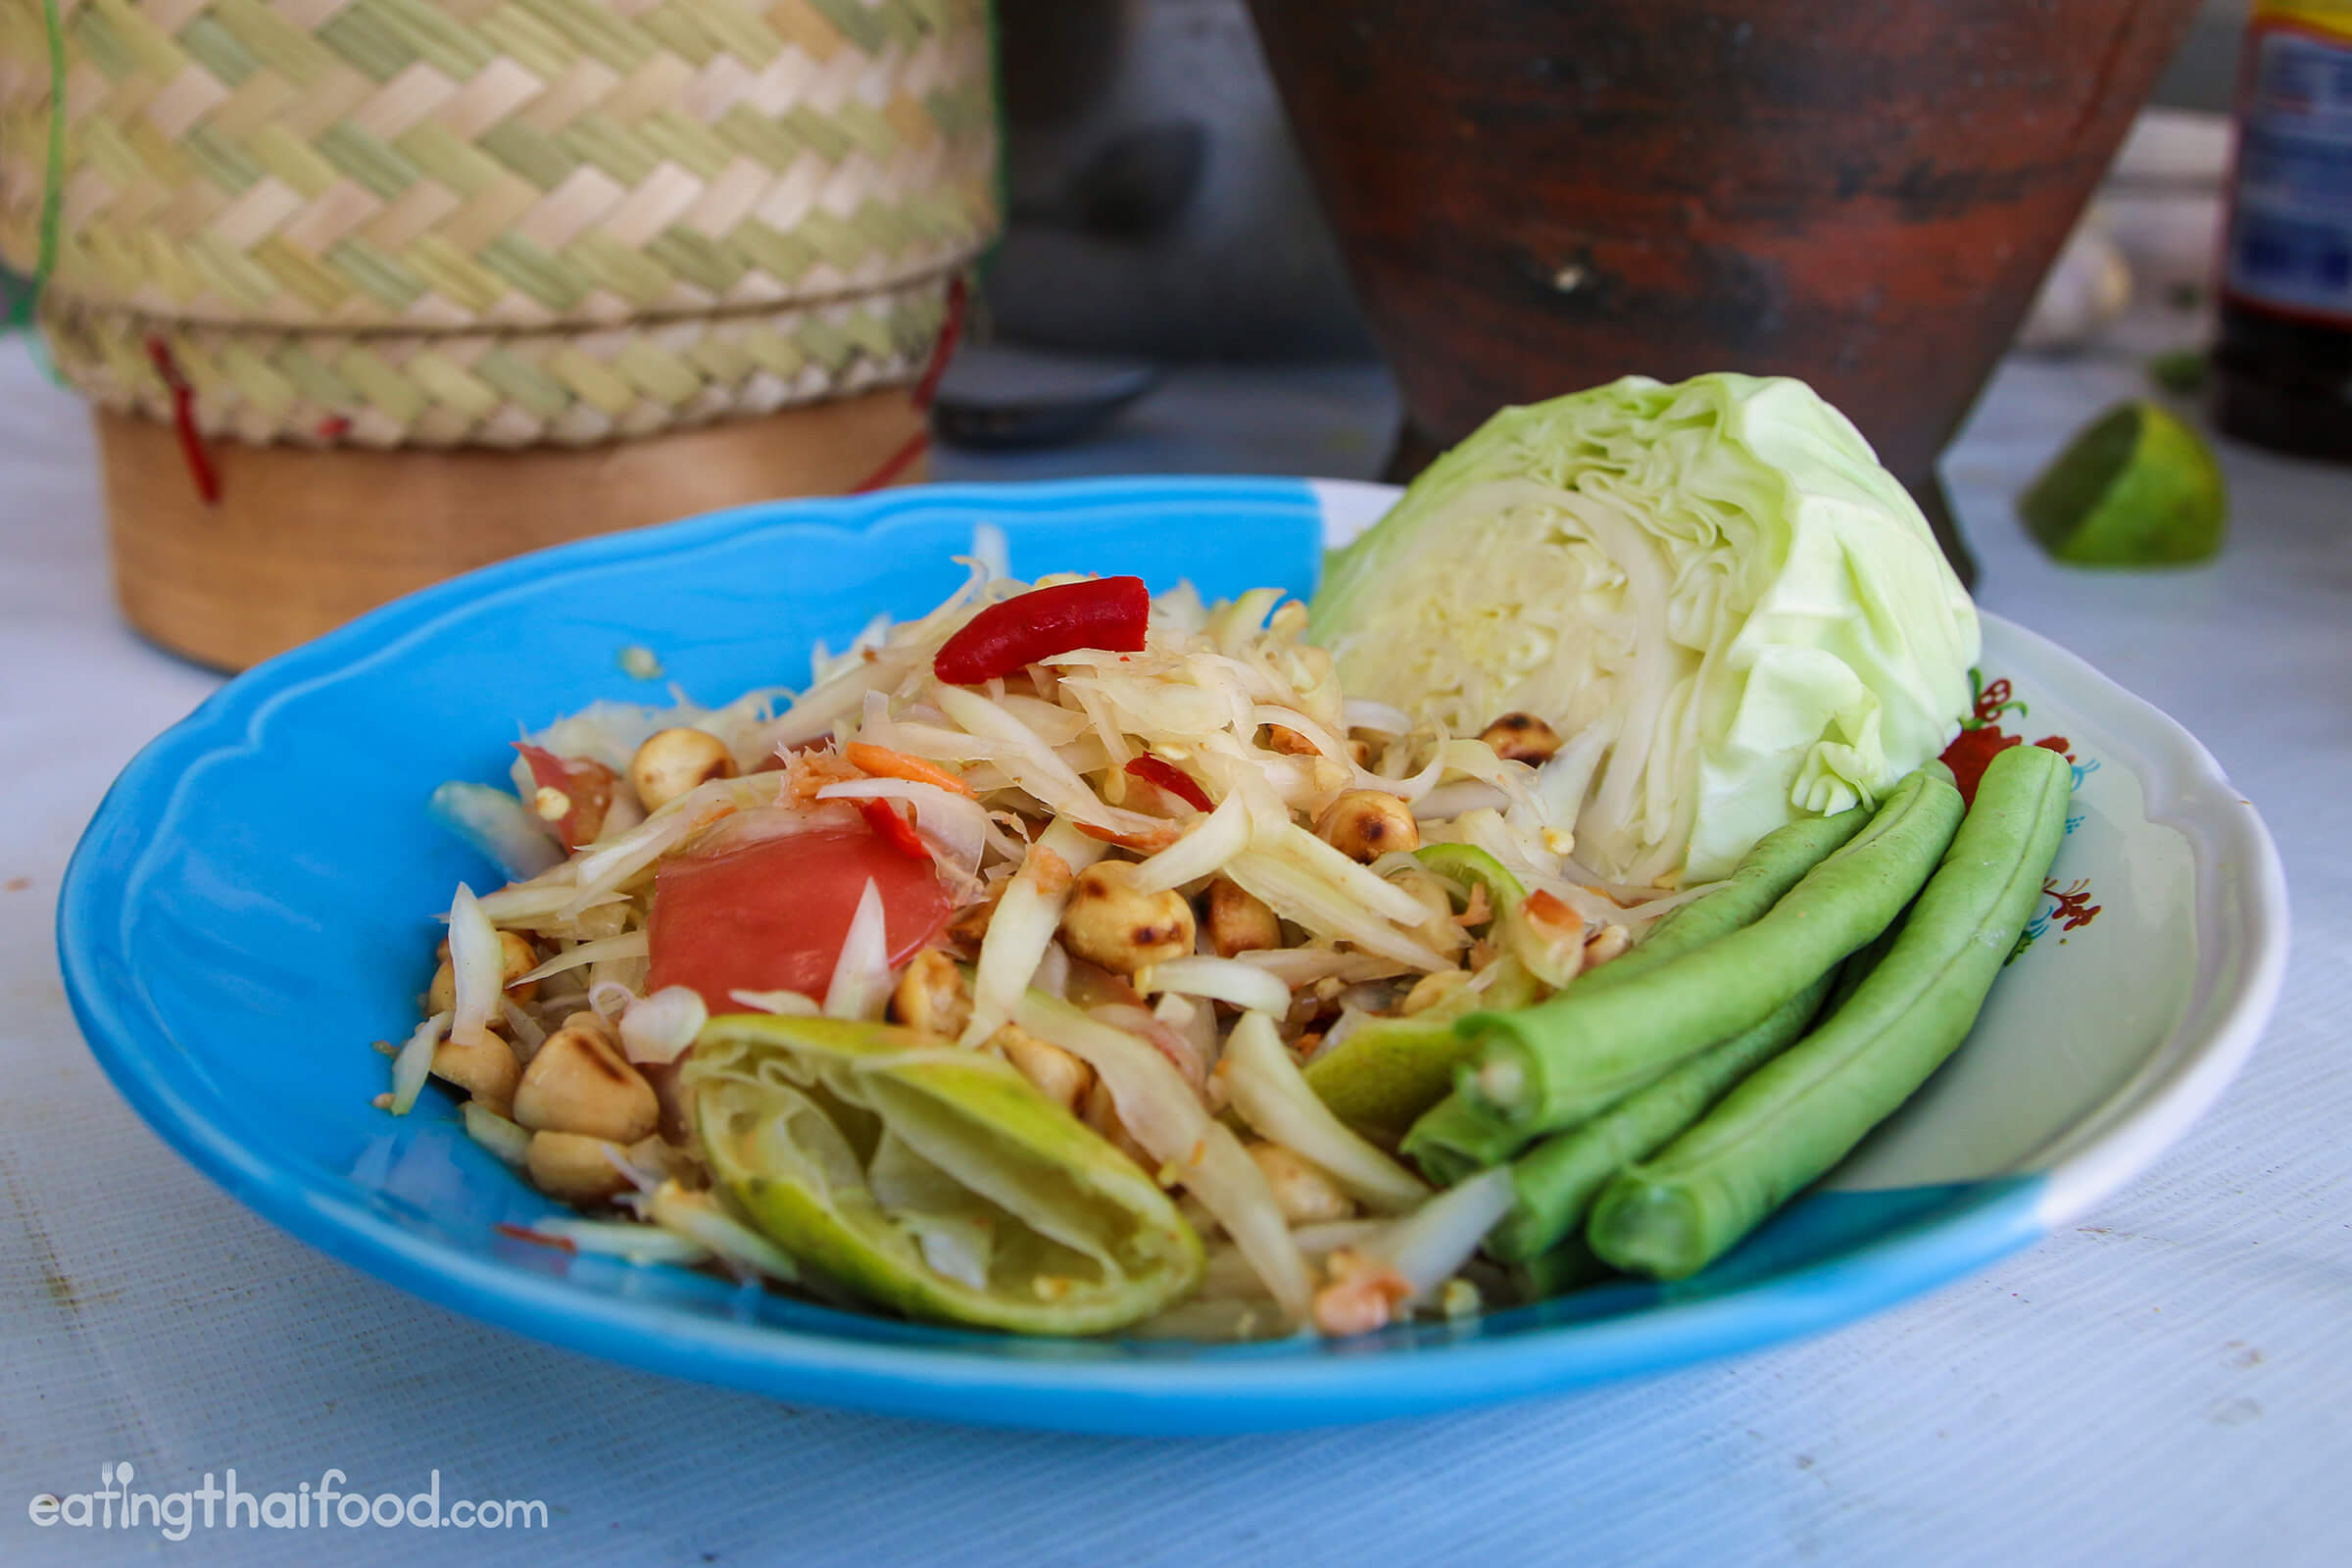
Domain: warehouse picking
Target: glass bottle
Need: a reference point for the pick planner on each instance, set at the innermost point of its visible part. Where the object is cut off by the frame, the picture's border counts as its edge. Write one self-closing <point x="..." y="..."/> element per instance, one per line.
<point x="2283" y="369"/>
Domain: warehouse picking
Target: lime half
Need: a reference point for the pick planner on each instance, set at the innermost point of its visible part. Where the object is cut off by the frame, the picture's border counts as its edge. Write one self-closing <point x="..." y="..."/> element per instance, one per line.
<point x="2137" y="488"/>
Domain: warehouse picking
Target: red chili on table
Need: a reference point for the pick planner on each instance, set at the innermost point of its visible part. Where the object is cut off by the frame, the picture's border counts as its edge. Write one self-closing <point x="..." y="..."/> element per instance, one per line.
<point x="1168" y="776"/>
<point x="1107" y="612"/>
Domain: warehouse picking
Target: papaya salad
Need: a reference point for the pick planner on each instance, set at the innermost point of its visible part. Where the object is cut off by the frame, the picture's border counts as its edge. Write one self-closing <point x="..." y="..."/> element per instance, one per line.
<point x="1072" y="961"/>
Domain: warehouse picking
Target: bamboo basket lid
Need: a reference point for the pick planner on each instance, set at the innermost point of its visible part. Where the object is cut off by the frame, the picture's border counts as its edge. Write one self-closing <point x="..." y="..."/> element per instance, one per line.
<point x="452" y="223"/>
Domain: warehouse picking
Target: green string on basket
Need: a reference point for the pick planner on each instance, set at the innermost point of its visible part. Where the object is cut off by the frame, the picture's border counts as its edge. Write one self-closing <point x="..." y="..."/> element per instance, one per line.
<point x="53" y="192"/>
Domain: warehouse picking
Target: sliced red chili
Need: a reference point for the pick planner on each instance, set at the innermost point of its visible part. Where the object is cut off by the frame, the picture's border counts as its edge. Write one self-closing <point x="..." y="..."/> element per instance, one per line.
<point x="524" y="1232"/>
<point x="1107" y="612"/>
<point x="1168" y="776"/>
<point x="893" y="829"/>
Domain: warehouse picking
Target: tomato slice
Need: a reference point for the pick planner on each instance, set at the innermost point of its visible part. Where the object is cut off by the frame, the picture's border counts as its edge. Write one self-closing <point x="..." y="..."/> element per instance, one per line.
<point x="772" y="915"/>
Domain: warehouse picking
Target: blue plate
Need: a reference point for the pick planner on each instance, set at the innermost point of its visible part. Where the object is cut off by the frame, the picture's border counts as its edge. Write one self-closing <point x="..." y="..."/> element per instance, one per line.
<point x="253" y="906"/>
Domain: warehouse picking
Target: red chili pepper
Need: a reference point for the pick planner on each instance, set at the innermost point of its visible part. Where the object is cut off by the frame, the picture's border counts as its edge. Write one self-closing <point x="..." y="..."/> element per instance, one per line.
<point x="1168" y="776"/>
<point x="1107" y="612"/>
<point x="894" y="829"/>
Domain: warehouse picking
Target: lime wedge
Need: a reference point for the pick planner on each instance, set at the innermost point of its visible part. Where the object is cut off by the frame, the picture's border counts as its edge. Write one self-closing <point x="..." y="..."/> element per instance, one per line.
<point x="932" y="1178"/>
<point x="2137" y="488"/>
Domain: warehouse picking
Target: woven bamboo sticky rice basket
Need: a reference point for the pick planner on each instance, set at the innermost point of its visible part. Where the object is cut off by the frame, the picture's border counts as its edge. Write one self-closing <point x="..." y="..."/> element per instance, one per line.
<point x="369" y="291"/>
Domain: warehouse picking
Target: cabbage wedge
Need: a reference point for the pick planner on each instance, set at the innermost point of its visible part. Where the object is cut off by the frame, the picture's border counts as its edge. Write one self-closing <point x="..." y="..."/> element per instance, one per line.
<point x="1712" y="590"/>
<point x="932" y="1178"/>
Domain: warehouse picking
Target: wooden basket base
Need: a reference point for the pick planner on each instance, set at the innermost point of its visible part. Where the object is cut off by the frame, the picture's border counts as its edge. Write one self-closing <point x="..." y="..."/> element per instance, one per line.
<point x="300" y="541"/>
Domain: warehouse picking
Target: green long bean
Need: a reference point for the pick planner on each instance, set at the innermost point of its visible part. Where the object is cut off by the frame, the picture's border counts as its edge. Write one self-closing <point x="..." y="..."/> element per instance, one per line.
<point x="1552" y="1065"/>
<point x="1455" y="1138"/>
<point x="1453" y="1141"/>
<point x="1801" y="1112"/>
<point x="1781" y="859"/>
<point x="1556" y="1180"/>
<point x="1569" y="1266"/>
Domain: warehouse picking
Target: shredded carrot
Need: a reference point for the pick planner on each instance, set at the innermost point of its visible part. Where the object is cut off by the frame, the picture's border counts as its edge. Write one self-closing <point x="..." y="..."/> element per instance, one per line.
<point x="883" y="763"/>
<point x="813" y="770"/>
<point x="1053" y="874"/>
<point x="1151" y="842"/>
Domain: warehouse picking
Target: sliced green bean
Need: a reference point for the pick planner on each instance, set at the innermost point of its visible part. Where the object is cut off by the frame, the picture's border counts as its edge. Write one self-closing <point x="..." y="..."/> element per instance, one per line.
<point x="1552" y="1065"/>
<point x="1455" y="1141"/>
<point x="1801" y="1112"/>
<point x="1569" y="1266"/>
<point x="1457" y="1138"/>
<point x="1558" y="1178"/>
<point x="1780" y="861"/>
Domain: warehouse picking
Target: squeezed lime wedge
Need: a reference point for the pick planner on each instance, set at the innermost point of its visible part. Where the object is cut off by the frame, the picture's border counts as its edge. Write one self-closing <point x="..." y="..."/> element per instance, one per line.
<point x="932" y="1178"/>
<point x="2140" y="487"/>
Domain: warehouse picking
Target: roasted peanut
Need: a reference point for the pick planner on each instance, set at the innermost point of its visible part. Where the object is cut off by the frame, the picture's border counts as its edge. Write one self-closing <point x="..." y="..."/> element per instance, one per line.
<point x="1236" y="921"/>
<point x="1605" y="943"/>
<point x="1366" y="824"/>
<point x="574" y="1167"/>
<point x="1053" y="1071"/>
<point x="931" y="995"/>
<point x="969" y="928"/>
<point x="578" y="1083"/>
<point x="672" y="761"/>
<point x="515" y="959"/>
<point x="1107" y="922"/>
<point x="486" y="1069"/>
<point x="1522" y="738"/>
<point x="1432" y="989"/>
